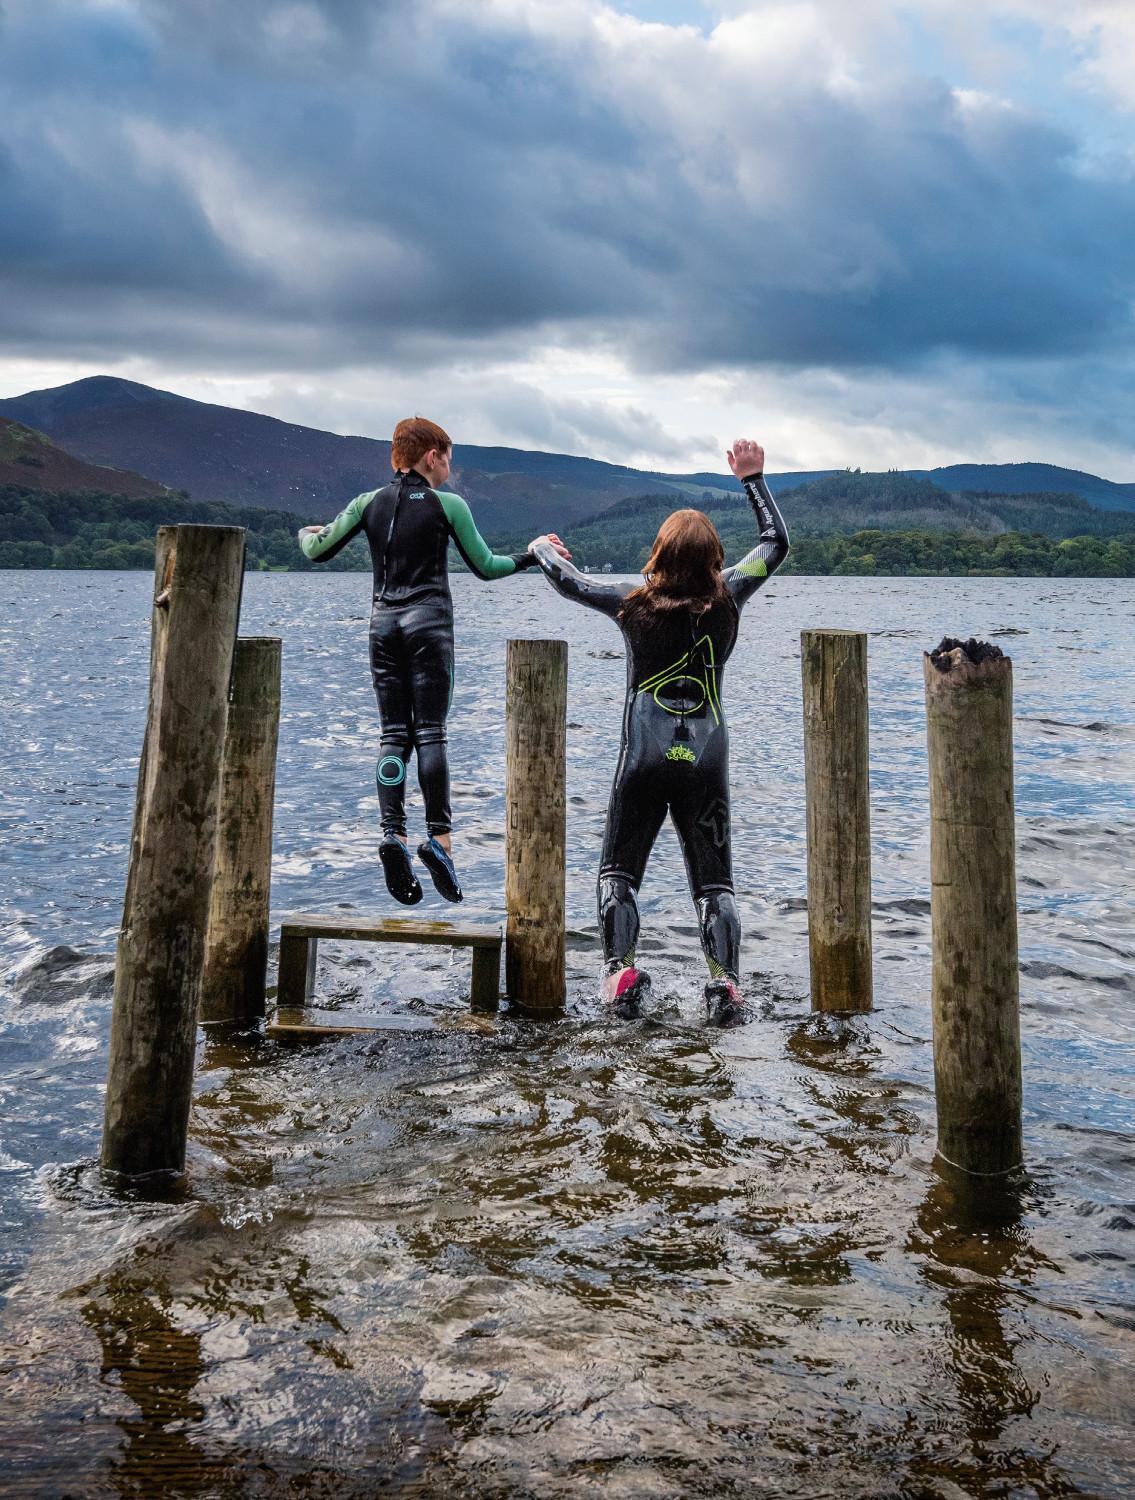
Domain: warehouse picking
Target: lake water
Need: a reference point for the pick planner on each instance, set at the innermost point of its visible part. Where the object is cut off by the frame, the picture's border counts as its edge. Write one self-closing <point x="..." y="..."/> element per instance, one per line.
<point x="503" y="1258"/>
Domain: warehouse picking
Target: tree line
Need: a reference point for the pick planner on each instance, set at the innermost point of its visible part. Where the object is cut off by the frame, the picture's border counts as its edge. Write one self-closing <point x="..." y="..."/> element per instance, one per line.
<point x="44" y="530"/>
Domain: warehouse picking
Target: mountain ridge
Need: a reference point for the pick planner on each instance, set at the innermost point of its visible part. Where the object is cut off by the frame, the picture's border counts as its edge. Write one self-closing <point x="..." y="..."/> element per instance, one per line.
<point x="222" y="453"/>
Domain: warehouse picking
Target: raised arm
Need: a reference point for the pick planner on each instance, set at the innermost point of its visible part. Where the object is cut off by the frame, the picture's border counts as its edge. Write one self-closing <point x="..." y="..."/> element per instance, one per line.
<point x="319" y="543"/>
<point x="480" y="557"/>
<point x="746" y="459"/>
<point x="572" y="584"/>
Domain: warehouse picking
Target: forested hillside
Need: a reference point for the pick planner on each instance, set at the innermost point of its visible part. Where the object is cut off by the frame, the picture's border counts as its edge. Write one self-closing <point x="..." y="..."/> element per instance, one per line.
<point x="44" y="530"/>
<point x="842" y="505"/>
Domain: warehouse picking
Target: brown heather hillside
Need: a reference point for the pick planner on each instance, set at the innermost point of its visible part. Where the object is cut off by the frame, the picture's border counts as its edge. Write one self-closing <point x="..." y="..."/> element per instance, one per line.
<point x="30" y="460"/>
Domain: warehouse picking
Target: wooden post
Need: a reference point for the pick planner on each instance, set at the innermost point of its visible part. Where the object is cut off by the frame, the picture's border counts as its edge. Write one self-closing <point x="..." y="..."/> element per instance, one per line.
<point x="836" y="779"/>
<point x="535" y="808"/>
<point x="161" y="945"/>
<point x="977" y="1043"/>
<point x="236" y="947"/>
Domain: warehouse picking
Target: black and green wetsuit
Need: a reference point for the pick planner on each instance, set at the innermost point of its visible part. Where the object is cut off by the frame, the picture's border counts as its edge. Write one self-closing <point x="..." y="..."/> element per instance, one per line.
<point x="674" y="755"/>
<point x="409" y="527"/>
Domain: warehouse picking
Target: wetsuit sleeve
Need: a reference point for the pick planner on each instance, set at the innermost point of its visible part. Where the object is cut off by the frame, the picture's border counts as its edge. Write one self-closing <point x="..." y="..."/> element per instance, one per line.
<point x="581" y="587"/>
<point x="746" y="577"/>
<point x="471" y="544"/>
<point x="324" y="544"/>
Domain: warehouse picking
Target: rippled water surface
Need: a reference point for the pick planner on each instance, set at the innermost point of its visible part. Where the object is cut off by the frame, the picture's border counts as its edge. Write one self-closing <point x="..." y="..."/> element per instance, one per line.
<point x="503" y="1258"/>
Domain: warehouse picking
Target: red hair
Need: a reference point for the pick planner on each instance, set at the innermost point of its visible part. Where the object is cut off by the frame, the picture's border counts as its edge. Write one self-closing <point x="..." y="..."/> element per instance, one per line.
<point x="683" y="570"/>
<point x="413" y="438"/>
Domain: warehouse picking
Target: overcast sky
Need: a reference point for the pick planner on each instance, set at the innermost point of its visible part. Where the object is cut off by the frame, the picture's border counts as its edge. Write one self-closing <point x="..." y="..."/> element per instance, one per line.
<point x="873" y="233"/>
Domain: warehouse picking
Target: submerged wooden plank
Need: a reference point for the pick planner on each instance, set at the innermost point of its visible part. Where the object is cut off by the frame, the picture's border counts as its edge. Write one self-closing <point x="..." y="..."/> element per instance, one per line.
<point x="291" y="1021"/>
<point x="393" y="930"/>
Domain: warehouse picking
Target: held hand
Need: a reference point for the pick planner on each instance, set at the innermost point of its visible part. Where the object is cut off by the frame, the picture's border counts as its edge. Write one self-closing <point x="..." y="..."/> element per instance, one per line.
<point x="309" y="531"/>
<point x="746" y="458"/>
<point x="554" y="542"/>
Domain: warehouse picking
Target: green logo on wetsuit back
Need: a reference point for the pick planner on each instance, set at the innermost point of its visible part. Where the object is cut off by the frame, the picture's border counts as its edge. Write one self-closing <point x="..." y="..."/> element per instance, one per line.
<point x="681" y="752"/>
<point x="700" y="654"/>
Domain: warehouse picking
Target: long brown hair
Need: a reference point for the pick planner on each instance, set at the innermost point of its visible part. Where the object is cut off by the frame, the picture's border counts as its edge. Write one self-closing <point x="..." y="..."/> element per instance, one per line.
<point x="683" y="570"/>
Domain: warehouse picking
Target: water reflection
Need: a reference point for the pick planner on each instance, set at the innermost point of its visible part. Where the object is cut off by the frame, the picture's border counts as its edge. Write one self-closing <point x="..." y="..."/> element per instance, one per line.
<point x="975" y="1251"/>
<point x="172" y="1325"/>
<point x="157" y="1364"/>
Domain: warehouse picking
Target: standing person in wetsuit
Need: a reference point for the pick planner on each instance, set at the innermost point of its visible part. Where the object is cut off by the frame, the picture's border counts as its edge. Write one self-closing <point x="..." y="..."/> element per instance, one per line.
<point x="679" y="627"/>
<point x="409" y="524"/>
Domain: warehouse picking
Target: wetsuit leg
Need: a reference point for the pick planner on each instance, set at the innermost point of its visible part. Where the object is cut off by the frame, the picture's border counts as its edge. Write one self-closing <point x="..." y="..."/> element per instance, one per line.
<point x="720" y="927"/>
<point x="634" y="816"/>
<point x="699" y="806"/>
<point x="618" y="920"/>
<point x="395" y="707"/>
<point x="427" y="631"/>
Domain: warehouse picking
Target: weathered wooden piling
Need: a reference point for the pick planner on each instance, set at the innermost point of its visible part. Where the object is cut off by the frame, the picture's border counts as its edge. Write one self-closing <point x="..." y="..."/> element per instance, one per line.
<point x="977" y="1046"/>
<point x="236" y="947"/>
<point x="535" y="810"/>
<point x="836" y="779"/>
<point x="161" y="945"/>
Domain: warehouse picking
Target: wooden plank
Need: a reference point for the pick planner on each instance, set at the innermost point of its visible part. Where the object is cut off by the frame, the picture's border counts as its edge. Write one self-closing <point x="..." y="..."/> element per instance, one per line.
<point x="296" y="981"/>
<point x="392" y="930"/>
<point x="290" y="1022"/>
<point x="486" y="982"/>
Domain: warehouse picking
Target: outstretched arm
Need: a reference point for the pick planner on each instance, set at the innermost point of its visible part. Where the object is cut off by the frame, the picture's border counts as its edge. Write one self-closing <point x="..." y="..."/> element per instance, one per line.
<point x="572" y="584"/>
<point x="480" y="557"/>
<point x="747" y="460"/>
<point x="319" y="543"/>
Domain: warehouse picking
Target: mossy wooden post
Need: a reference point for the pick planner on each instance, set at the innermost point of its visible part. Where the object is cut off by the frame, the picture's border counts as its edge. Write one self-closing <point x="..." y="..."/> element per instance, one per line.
<point x="973" y="897"/>
<point x="836" y="780"/>
<point x="236" y="948"/>
<point x="157" y="977"/>
<point x="535" y="809"/>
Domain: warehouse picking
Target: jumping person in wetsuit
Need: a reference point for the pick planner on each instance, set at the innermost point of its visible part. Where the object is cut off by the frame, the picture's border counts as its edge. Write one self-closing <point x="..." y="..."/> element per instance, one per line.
<point x="679" y="628"/>
<point x="409" y="525"/>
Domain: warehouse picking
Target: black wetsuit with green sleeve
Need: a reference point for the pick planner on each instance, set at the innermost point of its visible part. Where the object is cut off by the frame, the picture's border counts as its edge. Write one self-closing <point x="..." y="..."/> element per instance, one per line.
<point x="409" y="527"/>
<point x="674" y="751"/>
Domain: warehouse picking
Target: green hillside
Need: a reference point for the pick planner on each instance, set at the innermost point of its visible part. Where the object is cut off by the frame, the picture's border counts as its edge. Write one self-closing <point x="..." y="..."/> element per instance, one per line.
<point x="844" y="503"/>
<point x="50" y="530"/>
<point x="916" y="529"/>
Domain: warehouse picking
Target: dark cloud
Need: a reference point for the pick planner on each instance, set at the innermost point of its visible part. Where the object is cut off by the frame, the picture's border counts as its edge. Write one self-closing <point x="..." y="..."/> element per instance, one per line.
<point x="325" y="183"/>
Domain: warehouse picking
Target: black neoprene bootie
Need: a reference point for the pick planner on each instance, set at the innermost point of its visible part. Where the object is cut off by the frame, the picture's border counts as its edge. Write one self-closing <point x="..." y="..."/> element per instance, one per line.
<point x="438" y="863"/>
<point x="401" y="881"/>
<point x="724" y="1005"/>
